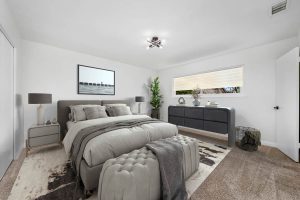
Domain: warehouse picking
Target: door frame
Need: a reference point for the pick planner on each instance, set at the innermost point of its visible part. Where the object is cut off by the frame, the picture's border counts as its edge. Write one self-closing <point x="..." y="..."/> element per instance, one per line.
<point x="2" y="30"/>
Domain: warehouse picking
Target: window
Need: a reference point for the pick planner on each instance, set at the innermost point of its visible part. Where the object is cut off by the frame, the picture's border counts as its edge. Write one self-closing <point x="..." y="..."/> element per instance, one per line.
<point x="217" y="82"/>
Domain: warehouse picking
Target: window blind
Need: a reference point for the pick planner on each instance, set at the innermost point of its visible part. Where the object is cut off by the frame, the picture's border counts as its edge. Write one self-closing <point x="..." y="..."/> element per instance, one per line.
<point x="218" y="79"/>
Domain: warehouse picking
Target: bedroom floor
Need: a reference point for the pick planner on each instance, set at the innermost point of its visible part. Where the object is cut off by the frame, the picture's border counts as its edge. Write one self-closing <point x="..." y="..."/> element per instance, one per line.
<point x="265" y="174"/>
<point x="10" y="176"/>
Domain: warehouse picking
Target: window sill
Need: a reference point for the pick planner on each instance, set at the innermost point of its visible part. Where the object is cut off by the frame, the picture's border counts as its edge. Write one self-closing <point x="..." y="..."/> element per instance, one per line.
<point x="213" y="95"/>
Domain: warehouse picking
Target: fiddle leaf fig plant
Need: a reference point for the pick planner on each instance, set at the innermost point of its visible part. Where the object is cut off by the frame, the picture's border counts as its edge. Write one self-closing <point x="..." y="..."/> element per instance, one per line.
<point x="156" y="97"/>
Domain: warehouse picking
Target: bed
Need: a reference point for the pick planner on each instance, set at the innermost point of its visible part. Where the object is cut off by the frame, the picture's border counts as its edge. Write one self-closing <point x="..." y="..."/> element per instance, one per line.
<point x="110" y="144"/>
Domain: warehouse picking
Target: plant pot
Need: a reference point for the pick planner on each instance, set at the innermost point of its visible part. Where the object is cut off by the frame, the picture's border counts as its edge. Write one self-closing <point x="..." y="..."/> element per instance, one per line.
<point x="155" y="113"/>
<point x="196" y="102"/>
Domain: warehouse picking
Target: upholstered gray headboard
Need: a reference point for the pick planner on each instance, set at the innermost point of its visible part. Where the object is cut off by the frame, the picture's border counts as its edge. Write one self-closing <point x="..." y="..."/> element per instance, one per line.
<point x="126" y="101"/>
<point x="63" y="110"/>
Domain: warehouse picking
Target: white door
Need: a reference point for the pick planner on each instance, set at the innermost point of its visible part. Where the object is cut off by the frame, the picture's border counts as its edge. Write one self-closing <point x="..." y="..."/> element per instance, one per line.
<point x="287" y="100"/>
<point x="6" y="104"/>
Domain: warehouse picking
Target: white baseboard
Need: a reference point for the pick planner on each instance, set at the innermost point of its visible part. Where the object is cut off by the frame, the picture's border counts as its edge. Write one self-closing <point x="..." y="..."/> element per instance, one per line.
<point x="267" y="143"/>
<point x="219" y="136"/>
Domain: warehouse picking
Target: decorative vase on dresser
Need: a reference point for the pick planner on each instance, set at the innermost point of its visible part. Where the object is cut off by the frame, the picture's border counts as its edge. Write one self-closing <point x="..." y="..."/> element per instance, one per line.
<point x="196" y="102"/>
<point x="196" y="95"/>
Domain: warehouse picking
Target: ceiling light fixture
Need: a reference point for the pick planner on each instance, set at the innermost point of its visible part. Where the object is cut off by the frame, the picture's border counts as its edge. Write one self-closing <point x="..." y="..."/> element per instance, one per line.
<point x="155" y="42"/>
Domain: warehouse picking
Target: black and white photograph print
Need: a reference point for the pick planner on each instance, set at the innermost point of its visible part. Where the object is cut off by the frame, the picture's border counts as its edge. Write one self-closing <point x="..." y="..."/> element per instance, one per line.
<point x="95" y="81"/>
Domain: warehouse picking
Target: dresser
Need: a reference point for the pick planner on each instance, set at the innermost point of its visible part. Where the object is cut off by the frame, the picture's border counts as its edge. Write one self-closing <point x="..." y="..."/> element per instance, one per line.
<point x="219" y="120"/>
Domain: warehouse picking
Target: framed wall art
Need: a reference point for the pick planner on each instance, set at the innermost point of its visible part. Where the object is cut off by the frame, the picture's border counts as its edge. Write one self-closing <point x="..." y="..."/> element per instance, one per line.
<point x="95" y="81"/>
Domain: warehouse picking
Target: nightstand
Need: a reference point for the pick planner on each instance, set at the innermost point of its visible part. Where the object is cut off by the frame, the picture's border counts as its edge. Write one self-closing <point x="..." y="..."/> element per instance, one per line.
<point x="141" y="114"/>
<point x="39" y="135"/>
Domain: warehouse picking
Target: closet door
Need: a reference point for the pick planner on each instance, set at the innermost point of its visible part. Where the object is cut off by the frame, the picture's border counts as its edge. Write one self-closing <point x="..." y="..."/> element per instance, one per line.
<point x="6" y="104"/>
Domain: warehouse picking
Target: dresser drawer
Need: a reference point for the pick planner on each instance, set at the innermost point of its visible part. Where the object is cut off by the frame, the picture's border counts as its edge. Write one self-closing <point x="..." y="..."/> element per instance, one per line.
<point x="196" y="113"/>
<point x="216" y="115"/>
<point x="176" y="120"/>
<point x="176" y="111"/>
<point x="217" y="127"/>
<point x="49" y="139"/>
<point x="193" y="123"/>
<point x="43" y="130"/>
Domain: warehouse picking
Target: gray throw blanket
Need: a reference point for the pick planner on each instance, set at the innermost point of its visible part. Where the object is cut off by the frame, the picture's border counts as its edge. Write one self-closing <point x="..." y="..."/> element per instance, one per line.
<point x="86" y="134"/>
<point x="170" y="158"/>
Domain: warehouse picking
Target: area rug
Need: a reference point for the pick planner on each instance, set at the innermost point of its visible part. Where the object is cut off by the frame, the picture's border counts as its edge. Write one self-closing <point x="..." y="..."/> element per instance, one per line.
<point x="47" y="174"/>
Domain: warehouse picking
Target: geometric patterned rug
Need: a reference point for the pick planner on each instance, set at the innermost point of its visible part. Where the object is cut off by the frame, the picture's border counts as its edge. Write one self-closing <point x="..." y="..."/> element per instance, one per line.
<point x="46" y="174"/>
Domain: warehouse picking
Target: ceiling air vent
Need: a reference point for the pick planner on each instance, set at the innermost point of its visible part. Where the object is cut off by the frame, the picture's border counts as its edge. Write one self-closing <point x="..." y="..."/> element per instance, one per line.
<point x="279" y="7"/>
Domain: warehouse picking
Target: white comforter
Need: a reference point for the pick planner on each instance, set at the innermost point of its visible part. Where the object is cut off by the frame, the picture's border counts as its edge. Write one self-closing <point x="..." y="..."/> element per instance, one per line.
<point x="117" y="142"/>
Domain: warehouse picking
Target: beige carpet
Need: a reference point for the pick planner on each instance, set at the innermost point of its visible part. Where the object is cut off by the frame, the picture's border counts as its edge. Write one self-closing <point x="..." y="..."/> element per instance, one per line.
<point x="266" y="174"/>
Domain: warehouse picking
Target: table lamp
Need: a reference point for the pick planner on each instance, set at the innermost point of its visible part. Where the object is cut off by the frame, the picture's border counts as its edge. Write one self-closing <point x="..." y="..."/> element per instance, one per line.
<point x="139" y="99"/>
<point x="40" y="98"/>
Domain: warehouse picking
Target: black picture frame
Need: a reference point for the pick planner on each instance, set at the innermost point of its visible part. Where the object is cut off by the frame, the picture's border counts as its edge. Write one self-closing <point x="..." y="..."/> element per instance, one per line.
<point x="97" y="90"/>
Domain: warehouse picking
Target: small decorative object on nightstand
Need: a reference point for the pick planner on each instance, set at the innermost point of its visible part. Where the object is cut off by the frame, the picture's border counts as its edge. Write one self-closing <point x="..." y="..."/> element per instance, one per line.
<point x="39" y="135"/>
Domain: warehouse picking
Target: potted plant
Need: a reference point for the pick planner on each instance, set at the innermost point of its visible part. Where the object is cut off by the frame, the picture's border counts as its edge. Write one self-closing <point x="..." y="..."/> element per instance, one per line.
<point x="156" y="98"/>
<point x="196" y="95"/>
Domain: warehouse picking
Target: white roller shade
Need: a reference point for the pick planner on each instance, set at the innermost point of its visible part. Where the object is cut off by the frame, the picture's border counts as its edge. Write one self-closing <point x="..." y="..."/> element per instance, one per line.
<point x="218" y="79"/>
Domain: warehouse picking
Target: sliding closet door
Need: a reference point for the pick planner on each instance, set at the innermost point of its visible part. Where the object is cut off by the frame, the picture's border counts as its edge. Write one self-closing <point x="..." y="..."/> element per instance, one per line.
<point x="6" y="104"/>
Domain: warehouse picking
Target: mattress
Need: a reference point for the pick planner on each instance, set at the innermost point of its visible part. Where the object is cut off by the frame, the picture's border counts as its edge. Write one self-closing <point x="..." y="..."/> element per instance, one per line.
<point x="117" y="142"/>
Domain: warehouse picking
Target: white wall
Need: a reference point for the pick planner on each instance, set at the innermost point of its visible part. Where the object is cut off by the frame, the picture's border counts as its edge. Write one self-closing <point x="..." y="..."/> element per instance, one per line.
<point x="255" y="107"/>
<point x="299" y="37"/>
<point x="8" y="25"/>
<point x="48" y="69"/>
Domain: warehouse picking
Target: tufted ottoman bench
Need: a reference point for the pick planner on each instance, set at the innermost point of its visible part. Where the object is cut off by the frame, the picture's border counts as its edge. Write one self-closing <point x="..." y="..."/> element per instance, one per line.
<point x="136" y="175"/>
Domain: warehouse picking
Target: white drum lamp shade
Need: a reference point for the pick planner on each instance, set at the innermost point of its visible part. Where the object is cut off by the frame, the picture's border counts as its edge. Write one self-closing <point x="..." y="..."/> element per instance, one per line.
<point x="40" y="98"/>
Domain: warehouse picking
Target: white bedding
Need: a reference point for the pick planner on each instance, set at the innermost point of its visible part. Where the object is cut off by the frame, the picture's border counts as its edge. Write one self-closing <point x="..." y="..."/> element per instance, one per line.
<point x="70" y="124"/>
<point x="114" y="143"/>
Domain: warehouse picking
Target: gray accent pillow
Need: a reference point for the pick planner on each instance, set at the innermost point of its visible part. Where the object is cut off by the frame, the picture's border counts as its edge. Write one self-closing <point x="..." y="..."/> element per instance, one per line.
<point x="95" y="112"/>
<point x="115" y="111"/>
<point x="77" y="112"/>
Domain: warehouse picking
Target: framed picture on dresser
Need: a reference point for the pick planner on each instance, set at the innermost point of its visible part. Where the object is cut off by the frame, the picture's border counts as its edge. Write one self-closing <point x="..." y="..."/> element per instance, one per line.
<point x="95" y="81"/>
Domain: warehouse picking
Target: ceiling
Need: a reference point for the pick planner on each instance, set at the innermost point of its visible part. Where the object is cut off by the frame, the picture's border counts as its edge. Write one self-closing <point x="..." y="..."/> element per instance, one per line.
<point x="118" y="29"/>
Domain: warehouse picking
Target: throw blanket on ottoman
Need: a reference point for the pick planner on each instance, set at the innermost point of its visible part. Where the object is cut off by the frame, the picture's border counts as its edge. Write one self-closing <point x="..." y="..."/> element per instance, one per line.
<point x="170" y="158"/>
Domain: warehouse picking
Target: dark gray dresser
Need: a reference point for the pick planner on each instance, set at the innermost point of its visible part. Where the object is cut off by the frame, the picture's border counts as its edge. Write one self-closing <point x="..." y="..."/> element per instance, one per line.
<point x="220" y="120"/>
